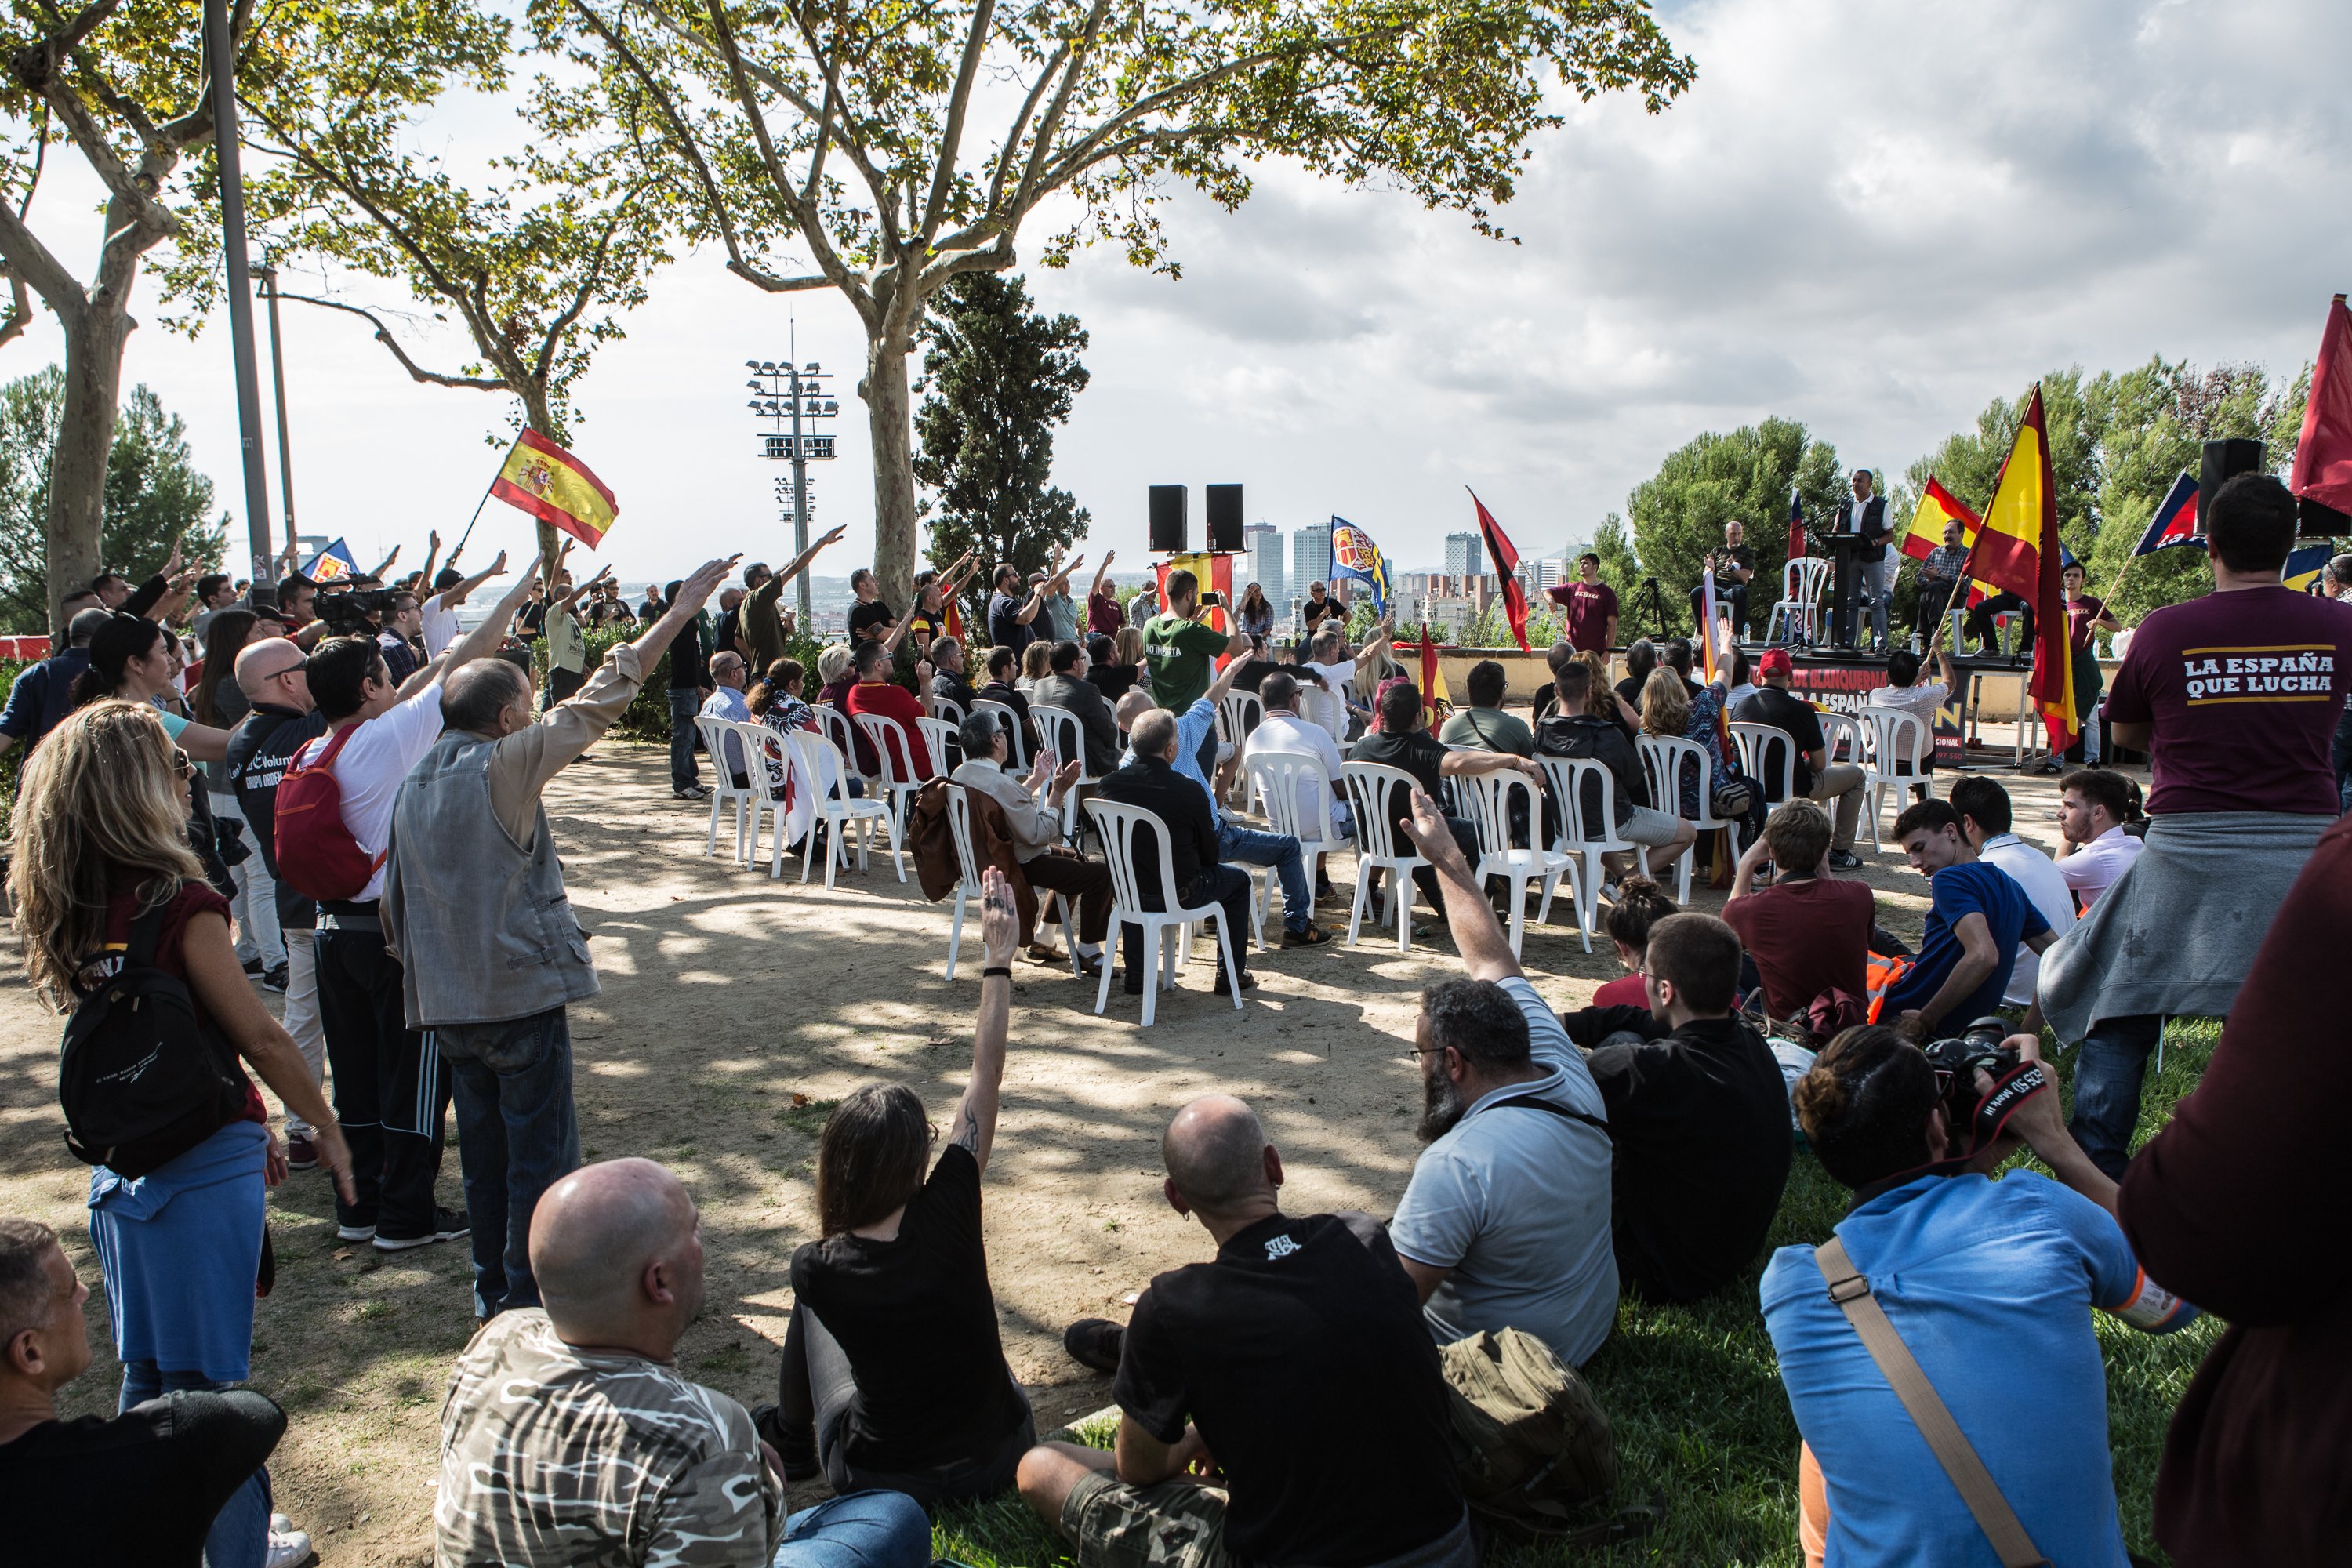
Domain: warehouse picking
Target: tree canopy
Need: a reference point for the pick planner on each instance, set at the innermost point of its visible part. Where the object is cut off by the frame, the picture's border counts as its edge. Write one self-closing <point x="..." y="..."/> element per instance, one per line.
<point x="1744" y="476"/>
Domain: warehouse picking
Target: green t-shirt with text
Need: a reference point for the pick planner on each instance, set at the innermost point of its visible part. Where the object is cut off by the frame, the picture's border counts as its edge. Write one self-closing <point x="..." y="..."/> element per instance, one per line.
<point x="1182" y="656"/>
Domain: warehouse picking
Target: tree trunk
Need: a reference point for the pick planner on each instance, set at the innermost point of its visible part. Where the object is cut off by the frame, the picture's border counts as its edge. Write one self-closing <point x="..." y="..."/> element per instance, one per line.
<point x="94" y="337"/>
<point x="892" y="428"/>
<point x="540" y="414"/>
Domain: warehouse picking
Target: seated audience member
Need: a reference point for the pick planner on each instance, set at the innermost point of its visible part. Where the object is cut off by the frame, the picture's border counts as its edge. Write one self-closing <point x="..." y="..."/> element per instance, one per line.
<point x="1066" y="685"/>
<point x="1808" y="934"/>
<point x="1699" y="1114"/>
<point x="726" y="702"/>
<point x="1248" y="1368"/>
<point x="1742" y="687"/>
<point x="1575" y="730"/>
<point x="1151" y="779"/>
<point x="1971" y="1273"/>
<point x="1033" y="667"/>
<point x="1037" y="827"/>
<point x="1641" y="904"/>
<point x="1976" y="918"/>
<point x="1283" y="733"/>
<point x="1985" y="819"/>
<point x="2253" y="1466"/>
<point x="947" y="678"/>
<point x="1004" y="665"/>
<point x="1402" y="743"/>
<point x="893" y="1375"/>
<point x="1119" y="665"/>
<point x="143" y="1487"/>
<point x="2092" y="805"/>
<point x="1555" y="658"/>
<point x="875" y="692"/>
<point x="1817" y="778"/>
<point x="569" y="1437"/>
<point x="1484" y="725"/>
<point x="1640" y="660"/>
<point x="1907" y="693"/>
<point x="1506" y="1221"/>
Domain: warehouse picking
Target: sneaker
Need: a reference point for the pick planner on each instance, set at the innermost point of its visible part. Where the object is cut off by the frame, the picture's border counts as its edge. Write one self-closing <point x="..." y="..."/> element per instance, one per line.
<point x="253" y="967"/>
<point x="448" y="1224"/>
<point x="1095" y="1343"/>
<point x="1609" y="890"/>
<point x="355" y="1232"/>
<point x="301" y="1156"/>
<point x="1845" y="860"/>
<point x="1249" y="983"/>
<point x="275" y="979"/>
<point x="288" y="1547"/>
<point x="1313" y="936"/>
<point x="693" y="792"/>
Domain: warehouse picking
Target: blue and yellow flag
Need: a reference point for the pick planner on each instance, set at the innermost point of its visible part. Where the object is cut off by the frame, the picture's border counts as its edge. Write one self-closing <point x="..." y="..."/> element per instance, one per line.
<point x="2304" y="567"/>
<point x="1355" y="558"/>
<point x="332" y="565"/>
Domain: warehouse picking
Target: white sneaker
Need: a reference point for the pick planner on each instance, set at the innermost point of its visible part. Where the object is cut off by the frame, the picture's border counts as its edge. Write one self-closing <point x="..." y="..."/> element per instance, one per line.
<point x="288" y="1547"/>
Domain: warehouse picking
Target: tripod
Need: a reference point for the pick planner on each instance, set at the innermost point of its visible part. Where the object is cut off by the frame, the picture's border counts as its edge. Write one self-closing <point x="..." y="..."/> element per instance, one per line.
<point x="1647" y="596"/>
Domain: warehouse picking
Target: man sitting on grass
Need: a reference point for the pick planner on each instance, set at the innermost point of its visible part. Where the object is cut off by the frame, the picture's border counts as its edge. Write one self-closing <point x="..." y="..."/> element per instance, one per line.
<point x="1990" y="1285"/>
<point x="1279" y="1403"/>
<point x="1506" y="1221"/>
<point x="568" y="1437"/>
<point x="1977" y="916"/>
<point x="1808" y="934"/>
<point x="2091" y="805"/>
<point x="1699" y="1114"/>
<point x="1985" y="821"/>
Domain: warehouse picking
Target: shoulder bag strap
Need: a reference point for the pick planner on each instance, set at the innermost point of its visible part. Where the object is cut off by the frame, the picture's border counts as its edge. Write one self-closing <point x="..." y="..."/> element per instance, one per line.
<point x="146" y="931"/>
<point x="1969" y="1477"/>
<point x="326" y="757"/>
<point x="1536" y="1102"/>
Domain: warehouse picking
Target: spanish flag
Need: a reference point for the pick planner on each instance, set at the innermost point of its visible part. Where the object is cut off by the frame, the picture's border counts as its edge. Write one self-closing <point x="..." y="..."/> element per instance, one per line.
<point x="543" y="480"/>
<point x="2017" y="551"/>
<point x="1436" y="702"/>
<point x="1210" y="571"/>
<point x="1937" y="507"/>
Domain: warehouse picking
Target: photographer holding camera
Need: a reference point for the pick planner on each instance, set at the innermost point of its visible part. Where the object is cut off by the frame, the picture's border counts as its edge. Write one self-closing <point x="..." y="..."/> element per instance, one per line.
<point x="1949" y="1294"/>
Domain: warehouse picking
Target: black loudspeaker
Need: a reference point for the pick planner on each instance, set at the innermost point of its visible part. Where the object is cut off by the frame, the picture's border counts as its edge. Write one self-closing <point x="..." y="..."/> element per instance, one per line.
<point x="1225" y="518"/>
<point x="2315" y="520"/>
<point x="1167" y="518"/>
<point x="2224" y="460"/>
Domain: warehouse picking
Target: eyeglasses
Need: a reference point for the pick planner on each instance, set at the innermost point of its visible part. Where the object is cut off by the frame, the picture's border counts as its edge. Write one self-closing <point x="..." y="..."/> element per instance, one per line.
<point x="185" y="763"/>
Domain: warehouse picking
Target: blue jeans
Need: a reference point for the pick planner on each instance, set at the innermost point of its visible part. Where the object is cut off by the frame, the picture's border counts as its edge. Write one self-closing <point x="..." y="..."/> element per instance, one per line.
<point x="1247" y="846"/>
<point x="2106" y="1087"/>
<point x="239" y="1537"/>
<point x="864" y="1530"/>
<point x="517" y="1137"/>
<point x="685" y="703"/>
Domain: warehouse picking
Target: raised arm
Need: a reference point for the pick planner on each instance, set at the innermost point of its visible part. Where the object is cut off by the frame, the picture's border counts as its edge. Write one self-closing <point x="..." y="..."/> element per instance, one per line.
<point x="432" y="559"/>
<point x="1378" y="647"/>
<point x="483" y="640"/>
<point x="458" y="596"/>
<point x="384" y="565"/>
<point x="656" y="639"/>
<point x="571" y="600"/>
<point x="999" y="927"/>
<point x="799" y="563"/>
<point x="1486" y="952"/>
<point x="1059" y="582"/>
<point x="1102" y="573"/>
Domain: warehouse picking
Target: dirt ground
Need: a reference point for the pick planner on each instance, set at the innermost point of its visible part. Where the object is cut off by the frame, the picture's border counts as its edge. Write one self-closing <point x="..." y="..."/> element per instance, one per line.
<point x="735" y="1008"/>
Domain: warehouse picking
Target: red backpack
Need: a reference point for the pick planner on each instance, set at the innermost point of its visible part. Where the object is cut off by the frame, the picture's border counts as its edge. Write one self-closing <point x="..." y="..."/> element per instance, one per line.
<point x="317" y="855"/>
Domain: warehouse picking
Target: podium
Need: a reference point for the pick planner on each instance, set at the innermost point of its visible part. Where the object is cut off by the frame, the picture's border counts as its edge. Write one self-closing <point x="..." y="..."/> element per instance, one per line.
<point x="1845" y="586"/>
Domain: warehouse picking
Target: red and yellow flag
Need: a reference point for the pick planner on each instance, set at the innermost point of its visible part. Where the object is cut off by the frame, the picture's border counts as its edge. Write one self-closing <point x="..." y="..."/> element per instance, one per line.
<point x="1937" y="507"/>
<point x="1436" y="702"/>
<point x="543" y="480"/>
<point x="2017" y="551"/>
<point x="1210" y="570"/>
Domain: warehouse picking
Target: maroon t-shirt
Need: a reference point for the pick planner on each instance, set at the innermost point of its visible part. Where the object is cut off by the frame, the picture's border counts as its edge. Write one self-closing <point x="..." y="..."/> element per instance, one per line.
<point x="1627" y="991"/>
<point x="1590" y="607"/>
<point x="1806" y="937"/>
<point x="2080" y="614"/>
<point x="2244" y="690"/>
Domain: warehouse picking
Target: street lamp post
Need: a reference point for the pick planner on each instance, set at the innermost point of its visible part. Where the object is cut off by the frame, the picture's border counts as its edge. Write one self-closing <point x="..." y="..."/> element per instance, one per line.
<point x="268" y="276"/>
<point x="220" y="62"/>
<point x="794" y="392"/>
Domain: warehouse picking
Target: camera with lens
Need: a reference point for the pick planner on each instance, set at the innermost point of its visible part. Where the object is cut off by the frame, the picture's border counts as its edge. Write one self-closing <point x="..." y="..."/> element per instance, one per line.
<point x="1975" y="1115"/>
<point x="346" y="614"/>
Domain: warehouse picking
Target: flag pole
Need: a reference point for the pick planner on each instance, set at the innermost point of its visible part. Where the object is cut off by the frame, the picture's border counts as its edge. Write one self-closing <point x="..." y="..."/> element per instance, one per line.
<point x="2119" y="579"/>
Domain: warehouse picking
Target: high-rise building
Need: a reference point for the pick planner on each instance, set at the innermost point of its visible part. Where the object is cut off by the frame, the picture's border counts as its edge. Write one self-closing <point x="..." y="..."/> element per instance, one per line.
<point x="1551" y="573"/>
<point x="1463" y="555"/>
<point x="1310" y="556"/>
<point x="1264" y="542"/>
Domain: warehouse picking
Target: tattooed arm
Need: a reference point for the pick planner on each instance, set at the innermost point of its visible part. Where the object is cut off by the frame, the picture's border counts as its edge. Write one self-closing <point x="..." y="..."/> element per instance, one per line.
<point x="1000" y="927"/>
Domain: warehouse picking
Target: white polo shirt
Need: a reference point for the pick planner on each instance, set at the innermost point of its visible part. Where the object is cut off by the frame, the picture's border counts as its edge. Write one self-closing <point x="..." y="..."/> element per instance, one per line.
<point x="2093" y="870"/>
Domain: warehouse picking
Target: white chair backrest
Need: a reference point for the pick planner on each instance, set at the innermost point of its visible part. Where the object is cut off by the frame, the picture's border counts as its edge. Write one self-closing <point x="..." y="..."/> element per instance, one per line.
<point x="821" y="763"/>
<point x="941" y="735"/>
<point x="1241" y="713"/>
<point x="1842" y="738"/>
<point x="1017" y="743"/>
<point x="1370" y="787"/>
<point x="945" y="707"/>
<point x="713" y="730"/>
<point x="765" y="748"/>
<point x="1665" y="759"/>
<point x="1116" y="823"/>
<point x="959" y="825"/>
<point x="1280" y="778"/>
<point x="1059" y="728"/>
<point x="1897" y="737"/>
<point x="1318" y="706"/>
<point x="889" y="743"/>
<point x="837" y="728"/>
<point x="1804" y="578"/>
<point x="1571" y="778"/>
<point x="1759" y="745"/>
<point x="1485" y="799"/>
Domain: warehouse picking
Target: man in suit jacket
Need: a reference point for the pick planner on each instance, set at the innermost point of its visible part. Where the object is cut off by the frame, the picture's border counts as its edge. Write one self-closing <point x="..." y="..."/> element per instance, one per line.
<point x="1036" y="830"/>
<point x="1152" y="781"/>
<point x="1067" y="687"/>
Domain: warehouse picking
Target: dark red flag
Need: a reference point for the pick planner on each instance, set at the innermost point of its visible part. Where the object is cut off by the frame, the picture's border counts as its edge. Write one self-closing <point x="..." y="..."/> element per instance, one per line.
<point x="1506" y="566"/>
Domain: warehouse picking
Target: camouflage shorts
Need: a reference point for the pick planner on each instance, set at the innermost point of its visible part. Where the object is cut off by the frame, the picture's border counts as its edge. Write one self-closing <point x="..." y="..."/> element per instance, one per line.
<point x="1172" y="1525"/>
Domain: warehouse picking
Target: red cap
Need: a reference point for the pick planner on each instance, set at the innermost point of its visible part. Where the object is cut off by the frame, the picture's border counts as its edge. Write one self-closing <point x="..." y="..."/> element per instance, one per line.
<point x="1776" y="662"/>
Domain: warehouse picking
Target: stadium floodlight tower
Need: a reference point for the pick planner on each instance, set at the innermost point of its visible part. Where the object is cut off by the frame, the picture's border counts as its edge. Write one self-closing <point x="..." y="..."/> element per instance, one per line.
<point x="791" y="398"/>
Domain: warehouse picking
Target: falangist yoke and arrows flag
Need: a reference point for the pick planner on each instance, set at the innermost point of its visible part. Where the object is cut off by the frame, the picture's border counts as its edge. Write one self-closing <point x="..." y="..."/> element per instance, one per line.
<point x="2017" y="551"/>
<point x="1505" y="557"/>
<point x="543" y="480"/>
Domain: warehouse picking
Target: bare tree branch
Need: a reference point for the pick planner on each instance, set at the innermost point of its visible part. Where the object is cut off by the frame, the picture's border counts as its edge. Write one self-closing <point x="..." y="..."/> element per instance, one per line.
<point x="29" y="260"/>
<point x="984" y="15"/>
<point x="1051" y="128"/>
<point x="384" y="335"/>
<point x="1020" y="125"/>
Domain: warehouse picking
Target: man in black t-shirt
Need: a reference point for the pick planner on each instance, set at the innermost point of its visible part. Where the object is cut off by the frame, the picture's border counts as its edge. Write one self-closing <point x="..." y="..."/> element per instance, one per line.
<point x="1734" y="564"/>
<point x="1402" y="743"/>
<point x="144" y="1487"/>
<point x="1816" y="776"/>
<point x="1280" y="1403"/>
<point x="869" y="616"/>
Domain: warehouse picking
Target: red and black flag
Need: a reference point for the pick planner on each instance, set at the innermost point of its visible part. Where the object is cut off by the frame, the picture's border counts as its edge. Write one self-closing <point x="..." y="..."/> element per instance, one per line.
<point x="1506" y="566"/>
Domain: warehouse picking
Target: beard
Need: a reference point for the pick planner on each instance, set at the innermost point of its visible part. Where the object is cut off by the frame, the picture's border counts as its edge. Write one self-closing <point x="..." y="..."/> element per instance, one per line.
<point x="1442" y="1106"/>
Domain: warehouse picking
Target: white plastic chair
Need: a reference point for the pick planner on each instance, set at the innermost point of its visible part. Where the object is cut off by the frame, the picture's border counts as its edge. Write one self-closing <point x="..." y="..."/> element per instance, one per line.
<point x="1061" y="729"/>
<point x="1018" y="756"/>
<point x="1665" y="759"/>
<point x="968" y="887"/>
<point x="1803" y="582"/>
<point x="1369" y="786"/>
<point x="940" y="734"/>
<point x="1116" y="825"/>
<point x="945" y="707"/>
<point x="1896" y="737"/>
<point x="1328" y="709"/>
<point x="1758" y="745"/>
<point x="1569" y="777"/>
<point x="898" y="781"/>
<point x="1486" y="798"/>
<point x="713" y="730"/>
<point x="836" y="728"/>
<point x="767" y="773"/>
<point x="1277" y="779"/>
<point x="820" y="760"/>
<point x="1843" y="740"/>
<point x="1239" y="714"/>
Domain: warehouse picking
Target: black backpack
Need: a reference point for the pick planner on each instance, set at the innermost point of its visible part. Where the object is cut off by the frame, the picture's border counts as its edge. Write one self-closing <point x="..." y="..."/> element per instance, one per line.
<point x="141" y="1082"/>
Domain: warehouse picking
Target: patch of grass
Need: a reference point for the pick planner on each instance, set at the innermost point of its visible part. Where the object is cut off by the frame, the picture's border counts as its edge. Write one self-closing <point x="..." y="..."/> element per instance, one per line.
<point x="375" y="1311"/>
<point x="729" y="1358"/>
<point x="806" y="1117"/>
<point x="1694" y="1397"/>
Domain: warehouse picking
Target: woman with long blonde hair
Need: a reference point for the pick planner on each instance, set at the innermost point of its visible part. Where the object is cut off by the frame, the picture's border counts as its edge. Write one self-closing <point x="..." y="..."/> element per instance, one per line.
<point x="102" y="842"/>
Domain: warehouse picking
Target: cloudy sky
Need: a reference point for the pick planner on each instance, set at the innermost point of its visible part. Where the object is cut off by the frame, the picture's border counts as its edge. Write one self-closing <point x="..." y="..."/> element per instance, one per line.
<point x="1869" y="217"/>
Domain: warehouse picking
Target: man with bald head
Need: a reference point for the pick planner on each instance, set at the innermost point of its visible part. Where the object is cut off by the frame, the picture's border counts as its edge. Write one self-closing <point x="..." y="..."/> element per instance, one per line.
<point x="1292" y="1367"/>
<point x="569" y="1437"/>
<point x="491" y="952"/>
<point x="1181" y="804"/>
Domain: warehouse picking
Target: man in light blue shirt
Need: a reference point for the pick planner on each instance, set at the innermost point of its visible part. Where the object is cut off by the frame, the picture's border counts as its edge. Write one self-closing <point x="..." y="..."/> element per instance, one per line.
<point x="1989" y="1284"/>
<point x="1196" y="728"/>
<point x="728" y="673"/>
<point x="1505" y="1222"/>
